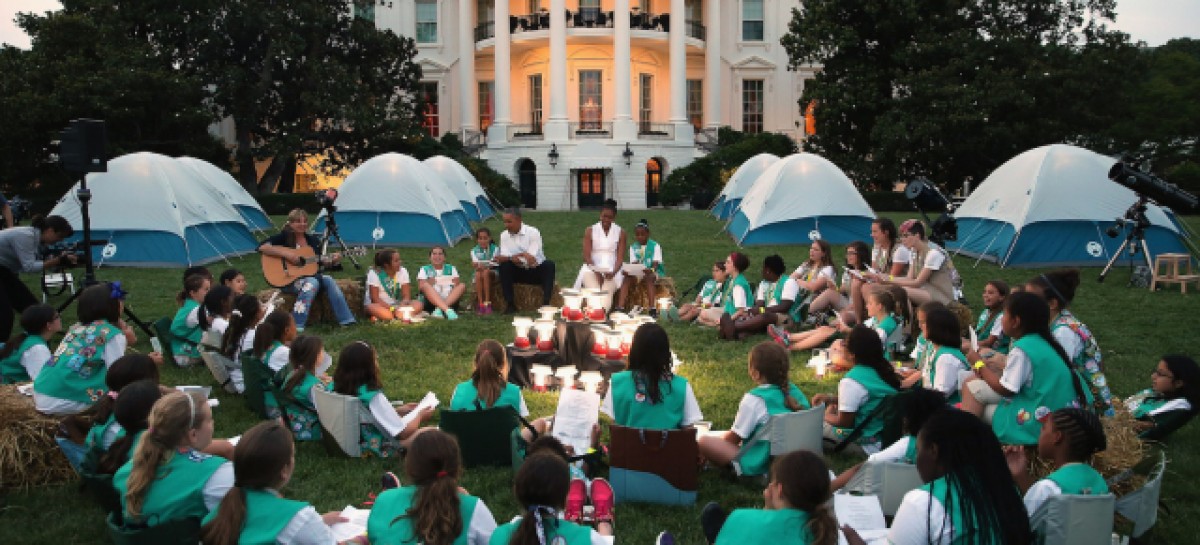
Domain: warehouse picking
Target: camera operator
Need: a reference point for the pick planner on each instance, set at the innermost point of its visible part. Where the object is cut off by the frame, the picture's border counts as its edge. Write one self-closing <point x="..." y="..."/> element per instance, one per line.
<point x="19" y="254"/>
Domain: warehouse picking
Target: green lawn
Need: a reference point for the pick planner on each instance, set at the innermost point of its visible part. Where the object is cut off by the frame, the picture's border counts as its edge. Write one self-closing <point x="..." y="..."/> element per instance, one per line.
<point x="1134" y="327"/>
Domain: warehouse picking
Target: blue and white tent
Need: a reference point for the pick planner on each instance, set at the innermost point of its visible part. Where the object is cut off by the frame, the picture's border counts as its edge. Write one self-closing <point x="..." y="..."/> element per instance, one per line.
<point x="462" y="184"/>
<point x="233" y="192"/>
<point x="740" y="183"/>
<point x="1050" y="206"/>
<point x="395" y="200"/>
<point x="800" y="198"/>
<point x="156" y="212"/>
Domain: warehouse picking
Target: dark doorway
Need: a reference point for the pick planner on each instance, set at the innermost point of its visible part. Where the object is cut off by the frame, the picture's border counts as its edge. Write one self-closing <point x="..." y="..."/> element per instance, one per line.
<point x="591" y="188"/>
<point x="653" y="181"/>
<point x="527" y="183"/>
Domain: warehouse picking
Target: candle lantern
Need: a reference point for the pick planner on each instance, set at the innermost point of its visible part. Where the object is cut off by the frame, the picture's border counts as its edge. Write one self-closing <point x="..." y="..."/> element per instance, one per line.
<point x="597" y="302"/>
<point x="540" y="374"/>
<point x="522" y="325"/>
<point x="819" y="362"/>
<point x="566" y="376"/>
<point x="664" y="303"/>
<point x="614" y="345"/>
<point x="406" y="313"/>
<point x="545" y="334"/>
<point x="547" y="312"/>
<point x="591" y="380"/>
<point x="627" y="332"/>
<point x="572" y="309"/>
<point x="600" y="340"/>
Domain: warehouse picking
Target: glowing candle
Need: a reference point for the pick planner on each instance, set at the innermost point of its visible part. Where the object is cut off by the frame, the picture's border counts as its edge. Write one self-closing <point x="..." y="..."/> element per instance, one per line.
<point x="547" y="312"/>
<point x="600" y="340"/>
<point x="572" y="305"/>
<point x="591" y="380"/>
<point x="597" y="302"/>
<point x="566" y="376"/>
<point x="522" y="326"/>
<point x="545" y="334"/>
<point x="540" y="373"/>
<point x="406" y="313"/>
<point x="627" y="332"/>
<point x="614" y="345"/>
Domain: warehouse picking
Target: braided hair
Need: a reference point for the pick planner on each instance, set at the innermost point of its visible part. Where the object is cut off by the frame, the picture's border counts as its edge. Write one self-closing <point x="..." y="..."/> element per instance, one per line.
<point x="1083" y="431"/>
<point x="771" y="361"/>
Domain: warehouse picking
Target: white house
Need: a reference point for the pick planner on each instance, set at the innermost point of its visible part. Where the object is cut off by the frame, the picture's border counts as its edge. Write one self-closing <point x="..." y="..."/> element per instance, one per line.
<point x="577" y="101"/>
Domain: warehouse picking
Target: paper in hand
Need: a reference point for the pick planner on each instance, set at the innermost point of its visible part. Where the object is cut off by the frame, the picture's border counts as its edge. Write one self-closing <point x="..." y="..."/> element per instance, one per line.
<point x="863" y="513"/>
<point x="974" y="340"/>
<point x="429" y="401"/>
<point x="578" y="411"/>
<point x="355" y="525"/>
<point x="156" y="344"/>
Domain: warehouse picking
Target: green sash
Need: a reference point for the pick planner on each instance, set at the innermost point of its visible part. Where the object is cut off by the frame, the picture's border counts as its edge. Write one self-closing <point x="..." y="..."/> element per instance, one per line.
<point x="778" y="526"/>
<point x="465" y="395"/>
<point x="983" y="328"/>
<point x="267" y="514"/>
<point x="77" y="371"/>
<point x="480" y="254"/>
<point x="877" y="389"/>
<point x="385" y="529"/>
<point x="389" y="284"/>
<point x="632" y="408"/>
<point x="11" y="369"/>
<point x="756" y="460"/>
<point x="645" y="255"/>
<point x="572" y="534"/>
<point x="712" y="293"/>
<point x="739" y="283"/>
<point x="177" y="490"/>
<point x="1079" y="479"/>
<point x="1016" y="419"/>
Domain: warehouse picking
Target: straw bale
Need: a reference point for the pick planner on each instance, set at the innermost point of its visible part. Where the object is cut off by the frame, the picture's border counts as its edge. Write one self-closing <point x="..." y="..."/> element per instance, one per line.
<point x="526" y="296"/>
<point x="29" y="456"/>
<point x="663" y="287"/>
<point x="320" y="311"/>
<point x="1125" y="451"/>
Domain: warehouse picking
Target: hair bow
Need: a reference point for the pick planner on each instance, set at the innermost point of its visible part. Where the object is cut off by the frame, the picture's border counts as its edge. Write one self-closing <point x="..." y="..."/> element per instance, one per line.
<point x="117" y="292"/>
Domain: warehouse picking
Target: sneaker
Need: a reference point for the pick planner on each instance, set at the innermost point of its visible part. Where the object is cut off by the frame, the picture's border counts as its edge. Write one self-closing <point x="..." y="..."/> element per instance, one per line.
<point x="712" y="518"/>
<point x="389" y="481"/>
<point x="576" y="496"/>
<point x="779" y="334"/>
<point x="451" y="315"/>
<point x="437" y="313"/>
<point x="665" y="538"/>
<point x="603" y="500"/>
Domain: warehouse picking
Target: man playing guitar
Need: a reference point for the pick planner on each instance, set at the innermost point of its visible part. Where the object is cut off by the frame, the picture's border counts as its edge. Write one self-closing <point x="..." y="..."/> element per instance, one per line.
<point x="289" y="246"/>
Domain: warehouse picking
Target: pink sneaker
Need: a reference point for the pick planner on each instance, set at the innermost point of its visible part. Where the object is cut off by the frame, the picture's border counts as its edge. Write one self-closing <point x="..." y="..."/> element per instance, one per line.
<point x="602" y="500"/>
<point x="779" y="335"/>
<point x="576" y="496"/>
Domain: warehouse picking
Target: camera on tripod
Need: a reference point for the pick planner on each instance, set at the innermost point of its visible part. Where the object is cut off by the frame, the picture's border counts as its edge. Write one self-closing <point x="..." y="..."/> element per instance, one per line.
<point x="1135" y="216"/>
<point x="326" y="197"/>
<point x="69" y="250"/>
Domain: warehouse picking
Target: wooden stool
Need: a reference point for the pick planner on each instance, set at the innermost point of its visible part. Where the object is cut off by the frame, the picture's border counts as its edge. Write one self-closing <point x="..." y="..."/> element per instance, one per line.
<point x="1167" y="271"/>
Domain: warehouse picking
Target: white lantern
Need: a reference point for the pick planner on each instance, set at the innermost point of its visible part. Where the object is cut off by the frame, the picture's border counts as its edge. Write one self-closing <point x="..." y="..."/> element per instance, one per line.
<point x="819" y="362"/>
<point x="600" y="340"/>
<point x="591" y="380"/>
<point x="566" y="376"/>
<point x="597" y="302"/>
<point x="614" y="345"/>
<point x="522" y="326"/>
<point x="406" y="313"/>
<point x="664" y="303"/>
<point x="627" y="332"/>
<point x="547" y="312"/>
<point x="545" y="334"/>
<point x="540" y="373"/>
<point x="572" y="305"/>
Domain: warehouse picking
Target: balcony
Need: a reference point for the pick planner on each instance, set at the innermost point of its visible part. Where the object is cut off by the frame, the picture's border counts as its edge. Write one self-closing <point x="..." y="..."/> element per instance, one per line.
<point x="525" y="132"/>
<point x="655" y="131"/>
<point x="589" y="129"/>
<point x="589" y="18"/>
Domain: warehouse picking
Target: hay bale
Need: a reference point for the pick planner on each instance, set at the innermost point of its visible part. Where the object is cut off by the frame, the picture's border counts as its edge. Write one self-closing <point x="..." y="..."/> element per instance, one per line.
<point x="527" y="297"/>
<point x="1125" y="451"/>
<point x="320" y="311"/>
<point x="965" y="321"/>
<point x="663" y="287"/>
<point x="29" y="456"/>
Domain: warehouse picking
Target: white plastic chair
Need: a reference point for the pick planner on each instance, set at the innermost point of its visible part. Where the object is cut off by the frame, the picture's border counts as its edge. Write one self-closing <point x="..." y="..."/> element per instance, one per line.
<point x="1070" y="519"/>
<point x="217" y="364"/>
<point x="1141" y="505"/>
<point x="888" y="480"/>
<point x="339" y="415"/>
<point x="789" y="432"/>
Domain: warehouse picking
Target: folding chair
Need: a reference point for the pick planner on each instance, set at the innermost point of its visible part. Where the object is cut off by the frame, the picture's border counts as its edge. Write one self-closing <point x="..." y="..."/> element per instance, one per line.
<point x="1070" y="519"/>
<point x="162" y="331"/>
<point x="654" y="466"/>
<point x="891" y="411"/>
<point x="788" y="432"/>
<point x="1141" y="505"/>
<point x="258" y="382"/>
<point x="340" y="419"/>
<point x="890" y="481"/>
<point x="218" y="365"/>
<point x="484" y="436"/>
<point x="173" y="532"/>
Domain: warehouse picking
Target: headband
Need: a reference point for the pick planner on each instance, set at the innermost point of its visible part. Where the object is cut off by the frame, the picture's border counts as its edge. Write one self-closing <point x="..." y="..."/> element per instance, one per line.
<point x="642" y="223"/>
<point x="1050" y="285"/>
<point x="191" y="411"/>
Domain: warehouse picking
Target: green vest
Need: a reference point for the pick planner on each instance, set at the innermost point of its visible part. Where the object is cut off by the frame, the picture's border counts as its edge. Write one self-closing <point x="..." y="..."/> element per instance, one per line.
<point x="910" y="452"/>
<point x="756" y="460"/>
<point x="956" y="395"/>
<point x="778" y="526"/>
<point x="431" y="274"/>
<point x="465" y="396"/>
<point x="185" y="340"/>
<point x="480" y="254"/>
<point x="774" y="297"/>
<point x="267" y="514"/>
<point x="384" y="528"/>
<point x="11" y="369"/>
<point x="572" y="533"/>
<point x="1145" y="402"/>
<point x="711" y="293"/>
<point x="1016" y="419"/>
<point x="634" y="409"/>
<point x="268" y="395"/>
<point x="302" y="411"/>
<point x="77" y="370"/>
<point x="739" y="283"/>
<point x="1079" y="478"/>
<point x="177" y="491"/>
<point x="888" y="324"/>
<point x="95" y="436"/>
<point x="983" y="329"/>
<point x="645" y="256"/>
<point x="938" y="489"/>
<point x="877" y="389"/>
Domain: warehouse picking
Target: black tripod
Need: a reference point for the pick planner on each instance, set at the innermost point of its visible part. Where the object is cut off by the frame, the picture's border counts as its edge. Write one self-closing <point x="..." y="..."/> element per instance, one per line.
<point x="332" y="235"/>
<point x="89" y="275"/>
<point x="1134" y="241"/>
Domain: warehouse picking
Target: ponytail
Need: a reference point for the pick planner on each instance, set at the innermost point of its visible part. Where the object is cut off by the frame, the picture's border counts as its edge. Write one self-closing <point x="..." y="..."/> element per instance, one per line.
<point x="1034" y="315"/>
<point x="541" y="488"/>
<point x="171" y="419"/>
<point x="272" y="329"/>
<point x="34" y="321"/>
<point x="216" y="303"/>
<point x="191" y="283"/>
<point x="772" y="363"/>
<point x="488" y="376"/>
<point x="131" y="411"/>
<point x="258" y="464"/>
<point x="434" y="465"/>
<point x="302" y="358"/>
<point x="864" y="345"/>
<point x="804" y="479"/>
<point x="245" y="311"/>
<point x="226" y="527"/>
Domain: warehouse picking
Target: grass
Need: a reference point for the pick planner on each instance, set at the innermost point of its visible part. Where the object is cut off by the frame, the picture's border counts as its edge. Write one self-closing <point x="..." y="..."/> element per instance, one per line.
<point x="1134" y="328"/>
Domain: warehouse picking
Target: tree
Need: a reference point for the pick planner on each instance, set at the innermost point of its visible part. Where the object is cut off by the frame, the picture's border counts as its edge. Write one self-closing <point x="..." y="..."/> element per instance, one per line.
<point x="951" y="89"/>
<point x="702" y="180"/>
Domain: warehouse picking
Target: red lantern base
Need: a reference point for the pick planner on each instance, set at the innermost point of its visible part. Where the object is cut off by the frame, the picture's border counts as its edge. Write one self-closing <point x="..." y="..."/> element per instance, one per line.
<point x="521" y="342"/>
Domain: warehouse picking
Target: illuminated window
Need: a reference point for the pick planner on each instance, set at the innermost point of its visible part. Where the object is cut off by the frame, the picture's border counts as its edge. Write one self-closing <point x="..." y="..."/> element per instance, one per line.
<point x="486" y="104"/>
<point x="752" y="105"/>
<point x="591" y="107"/>
<point x="429" y="108"/>
<point x="695" y="103"/>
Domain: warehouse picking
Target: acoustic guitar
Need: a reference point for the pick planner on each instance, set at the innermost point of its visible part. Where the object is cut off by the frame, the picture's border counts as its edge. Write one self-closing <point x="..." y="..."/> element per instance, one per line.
<point x="280" y="272"/>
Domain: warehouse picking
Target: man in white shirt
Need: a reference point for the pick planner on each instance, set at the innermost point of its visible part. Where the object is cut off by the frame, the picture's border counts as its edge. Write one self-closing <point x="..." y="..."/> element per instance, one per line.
<point x="521" y="259"/>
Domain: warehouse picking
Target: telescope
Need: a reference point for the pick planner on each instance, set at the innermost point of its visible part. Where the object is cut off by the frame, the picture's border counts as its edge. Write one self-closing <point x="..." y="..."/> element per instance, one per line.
<point x="1157" y="189"/>
<point x="926" y="197"/>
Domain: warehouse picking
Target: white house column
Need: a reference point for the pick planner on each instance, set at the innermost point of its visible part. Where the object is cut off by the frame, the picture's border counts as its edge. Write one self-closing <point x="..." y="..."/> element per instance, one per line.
<point x="498" y="132"/>
<point x="678" y="55"/>
<point x="469" y="106"/>
<point x="712" y="61"/>
<point x="623" y="126"/>
<point x="556" y="125"/>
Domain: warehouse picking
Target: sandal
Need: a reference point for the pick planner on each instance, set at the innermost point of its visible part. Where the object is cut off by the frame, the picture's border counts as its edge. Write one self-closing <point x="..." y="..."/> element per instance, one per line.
<point x="576" y="497"/>
<point x="602" y="500"/>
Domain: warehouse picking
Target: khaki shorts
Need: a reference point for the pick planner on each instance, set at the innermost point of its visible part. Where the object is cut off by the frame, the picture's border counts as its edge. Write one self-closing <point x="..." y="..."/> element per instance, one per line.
<point x="986" y="396"/>
<point x="712" y="315"/>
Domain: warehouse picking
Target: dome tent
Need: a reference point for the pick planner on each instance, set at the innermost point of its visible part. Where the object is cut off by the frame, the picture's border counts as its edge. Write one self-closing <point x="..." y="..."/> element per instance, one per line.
<point x="740" y="183"/>
<point x="156" y="212"/>
<point x="1050" y="206"/>
<point x="799" y="198"/>
<point x="233" y="192"/>
<point x="460" y="181"/>
<point x="393" y="199"/>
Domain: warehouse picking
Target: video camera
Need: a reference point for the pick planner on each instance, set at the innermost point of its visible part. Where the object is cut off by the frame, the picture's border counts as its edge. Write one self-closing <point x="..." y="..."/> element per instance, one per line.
<point x="326" y="197"/>
<point x="73" y="251"/>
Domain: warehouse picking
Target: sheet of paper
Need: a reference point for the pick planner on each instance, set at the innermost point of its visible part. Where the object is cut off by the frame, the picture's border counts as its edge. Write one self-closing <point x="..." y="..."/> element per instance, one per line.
<point x="863" y="513"/>
<point x="974" y="339"/>
<point x="234" y="440"/>
<point x="156" y="344"/>
<point x="355" y="526"/>
<point x="578" y="411"/>
<point x="26" y="389"/>
<point x="429" y="401"/>
<point x="635" y="269"/>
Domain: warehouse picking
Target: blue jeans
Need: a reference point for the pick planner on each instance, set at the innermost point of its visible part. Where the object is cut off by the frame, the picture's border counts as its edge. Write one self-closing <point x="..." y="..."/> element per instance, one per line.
<point x="73" y="451"/>
<point x="306" y="290"/>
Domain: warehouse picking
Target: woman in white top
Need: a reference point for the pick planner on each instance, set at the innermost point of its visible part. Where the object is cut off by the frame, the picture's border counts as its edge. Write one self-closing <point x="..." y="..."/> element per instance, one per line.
<point x="888" y="256"/>
<point x="930" y="275"/>
<point x="817" y="277"/>
<point x="440" y="285"/>
<point x="603" y="252"/>
<point x="388" y="288"/>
